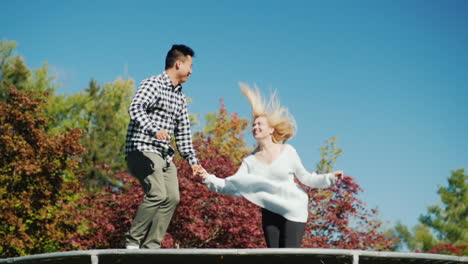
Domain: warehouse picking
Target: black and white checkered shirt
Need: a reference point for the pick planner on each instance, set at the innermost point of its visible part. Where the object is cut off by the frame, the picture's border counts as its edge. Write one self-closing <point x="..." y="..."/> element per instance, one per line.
<point x="158" y="105"/>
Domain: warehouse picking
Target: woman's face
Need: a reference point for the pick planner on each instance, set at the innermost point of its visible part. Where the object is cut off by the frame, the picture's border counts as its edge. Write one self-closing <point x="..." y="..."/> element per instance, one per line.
<point x="261" y="129"/>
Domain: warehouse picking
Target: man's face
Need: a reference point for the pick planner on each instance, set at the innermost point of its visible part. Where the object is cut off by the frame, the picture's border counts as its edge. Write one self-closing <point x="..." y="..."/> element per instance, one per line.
<point x="184" y="68"/>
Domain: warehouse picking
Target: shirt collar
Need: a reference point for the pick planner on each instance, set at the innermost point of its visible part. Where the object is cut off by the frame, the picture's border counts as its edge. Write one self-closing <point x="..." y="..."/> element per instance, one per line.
<point x="168" y="81"/>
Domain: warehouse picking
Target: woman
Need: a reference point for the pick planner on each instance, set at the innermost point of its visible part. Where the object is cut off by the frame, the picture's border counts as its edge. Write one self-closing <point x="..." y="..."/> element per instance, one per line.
<point x="266" y="176"/>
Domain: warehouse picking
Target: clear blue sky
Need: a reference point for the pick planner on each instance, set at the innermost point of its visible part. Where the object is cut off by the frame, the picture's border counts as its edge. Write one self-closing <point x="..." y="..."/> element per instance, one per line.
<point x="389" y="78"/>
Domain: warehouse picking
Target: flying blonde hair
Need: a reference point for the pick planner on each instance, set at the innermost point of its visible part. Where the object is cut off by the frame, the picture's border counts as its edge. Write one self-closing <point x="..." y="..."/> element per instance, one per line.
<point x="278" y="117"/>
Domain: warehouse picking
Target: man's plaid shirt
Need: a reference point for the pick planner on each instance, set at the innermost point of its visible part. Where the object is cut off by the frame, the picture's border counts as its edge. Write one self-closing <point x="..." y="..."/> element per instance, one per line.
<point x="158" y="105"/>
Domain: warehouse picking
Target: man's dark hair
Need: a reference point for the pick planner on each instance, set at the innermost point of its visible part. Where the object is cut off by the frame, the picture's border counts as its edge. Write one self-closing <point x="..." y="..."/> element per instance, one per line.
<point x="177" y="52"/>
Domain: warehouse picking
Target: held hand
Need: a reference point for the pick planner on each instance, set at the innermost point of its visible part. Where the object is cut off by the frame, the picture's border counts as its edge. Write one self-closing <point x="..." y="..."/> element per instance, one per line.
<point x="195" y="169"/>
<point x="203" y="174"/>
<point x="198" y="170"/>
<point x="163" y="135"/>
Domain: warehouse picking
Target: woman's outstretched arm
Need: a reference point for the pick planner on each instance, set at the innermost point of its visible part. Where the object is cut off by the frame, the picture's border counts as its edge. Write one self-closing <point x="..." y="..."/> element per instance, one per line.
<point x="313" y="179"/>
<point x="223" y="186"/>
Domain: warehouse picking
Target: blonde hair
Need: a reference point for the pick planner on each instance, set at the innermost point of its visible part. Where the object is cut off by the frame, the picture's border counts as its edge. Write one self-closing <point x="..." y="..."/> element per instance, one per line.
<point x="278" y="117"/>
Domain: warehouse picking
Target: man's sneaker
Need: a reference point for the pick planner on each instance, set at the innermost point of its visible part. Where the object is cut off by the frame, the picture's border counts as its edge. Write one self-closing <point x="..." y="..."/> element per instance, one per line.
<point x="132" y="247"/>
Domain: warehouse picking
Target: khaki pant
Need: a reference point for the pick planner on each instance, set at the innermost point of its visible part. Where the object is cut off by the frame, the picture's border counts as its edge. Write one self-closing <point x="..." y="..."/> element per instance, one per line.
<point x="159" y="181"/>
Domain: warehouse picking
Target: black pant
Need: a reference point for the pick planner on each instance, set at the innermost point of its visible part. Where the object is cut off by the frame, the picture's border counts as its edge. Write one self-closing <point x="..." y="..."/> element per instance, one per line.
<point x="280" y="232"/>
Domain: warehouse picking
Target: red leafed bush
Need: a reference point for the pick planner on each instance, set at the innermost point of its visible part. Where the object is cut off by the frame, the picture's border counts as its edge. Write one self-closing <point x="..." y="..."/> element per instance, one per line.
<point x="450" y="249"/>
<point x="37" y="178"/>
<point x="338" y="219"/>
<point x="106" y="215"/>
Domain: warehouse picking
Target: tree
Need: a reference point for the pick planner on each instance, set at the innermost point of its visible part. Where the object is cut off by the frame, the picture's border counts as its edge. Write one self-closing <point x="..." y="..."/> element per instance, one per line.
<point x="37" y="178"/>
<point x="15" y="74"/>
<point x="106" y="214"/>
<point x="451" y="221"/>
<point x="443" y="229"/>
<point x="227" y="133"/>
<point x="101" y="112"/>
<point x="337" y="218"/>
<point x="421" y="240"/>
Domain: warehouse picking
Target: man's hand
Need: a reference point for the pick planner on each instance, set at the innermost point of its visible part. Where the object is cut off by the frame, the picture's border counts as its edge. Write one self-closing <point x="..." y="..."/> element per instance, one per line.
<point x="163" y="135"/>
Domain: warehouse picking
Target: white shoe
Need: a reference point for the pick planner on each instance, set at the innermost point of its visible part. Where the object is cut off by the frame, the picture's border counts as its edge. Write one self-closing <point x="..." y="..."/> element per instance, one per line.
<point x="132" y="247"/>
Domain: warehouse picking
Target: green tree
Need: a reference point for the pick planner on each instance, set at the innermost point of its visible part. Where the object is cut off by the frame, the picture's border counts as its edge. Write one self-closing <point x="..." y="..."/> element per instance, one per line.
<point x="15" y="74"/>
<point x="451" y="220"/>
<point x="442" y="227"/>
<point x="101" y="113"/>
<point x="420" y="240"/>
<point x="329" y="153"/>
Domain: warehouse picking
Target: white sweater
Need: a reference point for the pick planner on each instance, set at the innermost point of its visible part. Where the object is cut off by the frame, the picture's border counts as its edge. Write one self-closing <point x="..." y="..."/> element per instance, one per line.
<point x="271" y="186"/>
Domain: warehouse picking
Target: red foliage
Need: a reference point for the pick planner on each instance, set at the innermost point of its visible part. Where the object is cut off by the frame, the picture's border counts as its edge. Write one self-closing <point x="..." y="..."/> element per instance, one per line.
<point x="37" y="180"/>
<point x="107" y="215"/>
<point x="450" y="249"/>
<point x="338" y="219"/>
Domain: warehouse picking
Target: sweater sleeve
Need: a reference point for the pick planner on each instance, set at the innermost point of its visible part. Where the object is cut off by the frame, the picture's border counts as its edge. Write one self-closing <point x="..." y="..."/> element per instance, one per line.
<point x="224" y="186"/>
<point x="313" y="179"/>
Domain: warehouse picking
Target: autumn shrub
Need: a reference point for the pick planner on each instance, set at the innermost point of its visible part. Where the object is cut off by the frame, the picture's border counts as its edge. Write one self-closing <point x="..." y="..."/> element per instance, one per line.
<point x="37" y="180"/>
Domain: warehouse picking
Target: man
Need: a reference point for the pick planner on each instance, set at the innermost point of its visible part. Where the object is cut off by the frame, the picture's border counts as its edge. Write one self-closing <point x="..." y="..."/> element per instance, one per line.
<point x="158" y="111"/>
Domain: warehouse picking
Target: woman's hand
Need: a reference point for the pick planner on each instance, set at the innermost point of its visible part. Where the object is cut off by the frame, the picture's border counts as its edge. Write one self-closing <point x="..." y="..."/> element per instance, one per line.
<point x="339" y="174"/>
<point x="203" y="173"/>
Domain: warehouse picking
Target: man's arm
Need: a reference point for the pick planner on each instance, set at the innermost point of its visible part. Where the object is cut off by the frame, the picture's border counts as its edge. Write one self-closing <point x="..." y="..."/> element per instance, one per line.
<point x="183" y="138"/>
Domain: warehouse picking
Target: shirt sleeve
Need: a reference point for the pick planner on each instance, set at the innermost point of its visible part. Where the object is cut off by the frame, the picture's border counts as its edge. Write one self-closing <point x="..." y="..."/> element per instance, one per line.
<point x="147" y="93"/>
<point x="183" y="137"/>
<point x="224" y="186"/>
<point x="313" y="179"/>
